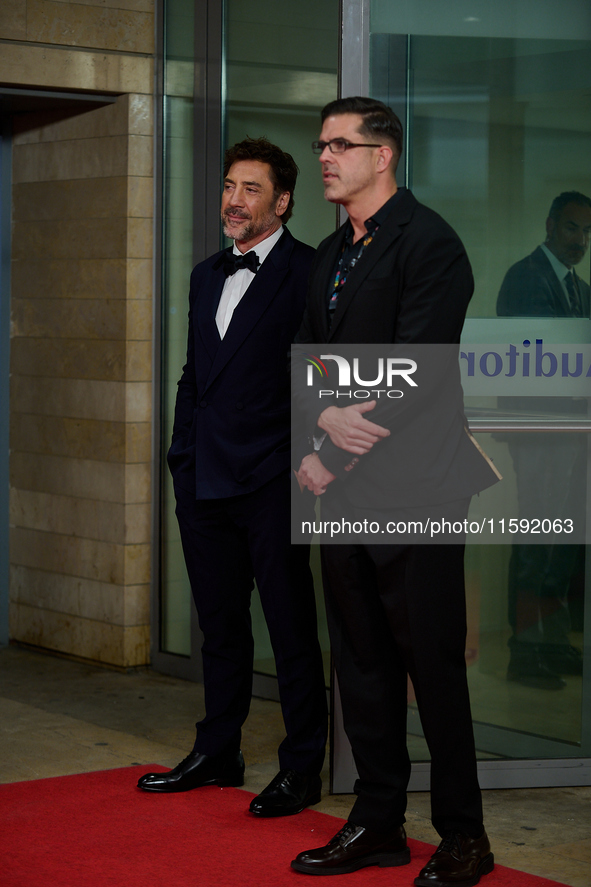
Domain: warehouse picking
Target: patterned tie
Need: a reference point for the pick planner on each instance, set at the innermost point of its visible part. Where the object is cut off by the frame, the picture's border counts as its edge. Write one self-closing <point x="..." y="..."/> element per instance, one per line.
<point x="343" y="270"/>
<point x="573" y="293"/>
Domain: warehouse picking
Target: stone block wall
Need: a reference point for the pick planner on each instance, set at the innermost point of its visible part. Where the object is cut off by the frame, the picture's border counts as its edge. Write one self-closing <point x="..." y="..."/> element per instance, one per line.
<point x="103" y="45"/>
<point x="81" y="336"/>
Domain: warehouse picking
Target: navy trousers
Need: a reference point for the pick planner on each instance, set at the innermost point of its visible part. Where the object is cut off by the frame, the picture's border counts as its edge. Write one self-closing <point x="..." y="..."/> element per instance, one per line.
<point x="228" y="544"/>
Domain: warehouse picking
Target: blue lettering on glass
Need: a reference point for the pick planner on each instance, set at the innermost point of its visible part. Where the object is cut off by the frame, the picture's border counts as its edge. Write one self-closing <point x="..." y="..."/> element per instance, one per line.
<point x="512" y="354"/>
<point x="547" y="363"/>
<point x="541" y="356"/>
<point x="470" y="358"/>
<point x="578" y="364"/>
<point x="484" y="363"/>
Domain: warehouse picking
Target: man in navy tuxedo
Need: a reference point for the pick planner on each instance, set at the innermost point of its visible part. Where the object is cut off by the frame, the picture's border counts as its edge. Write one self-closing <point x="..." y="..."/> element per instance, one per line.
<point x="230" y="462"/>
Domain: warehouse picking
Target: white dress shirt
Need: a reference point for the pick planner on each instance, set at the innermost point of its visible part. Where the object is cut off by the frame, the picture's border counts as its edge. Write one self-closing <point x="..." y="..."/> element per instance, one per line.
<point x="237" y="284"/>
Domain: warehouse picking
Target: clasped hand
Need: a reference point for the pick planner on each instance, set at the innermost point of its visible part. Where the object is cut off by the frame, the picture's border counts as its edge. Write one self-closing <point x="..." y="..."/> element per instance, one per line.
<point x="349" y="431"/>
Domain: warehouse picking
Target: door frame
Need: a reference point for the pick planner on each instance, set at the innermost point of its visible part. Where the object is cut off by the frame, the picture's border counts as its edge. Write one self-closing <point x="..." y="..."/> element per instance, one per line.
<point x="514" y="773"/>
<point x="5" y="255"/>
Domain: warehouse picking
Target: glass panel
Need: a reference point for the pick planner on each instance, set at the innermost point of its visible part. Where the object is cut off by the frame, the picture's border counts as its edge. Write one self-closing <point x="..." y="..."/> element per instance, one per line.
<point x="495" y="107"/>
<point x="177" y="262"/>
<point x="280" y="69"/>
<point x="5" y="213"/>
<point x="538" y="589"/>
<point x="497" y="115"/>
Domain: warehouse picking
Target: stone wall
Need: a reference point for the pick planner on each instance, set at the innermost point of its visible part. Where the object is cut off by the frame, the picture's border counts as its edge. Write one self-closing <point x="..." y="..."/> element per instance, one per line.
<point x="81" y="337"/>
<point x="106" y="46"/>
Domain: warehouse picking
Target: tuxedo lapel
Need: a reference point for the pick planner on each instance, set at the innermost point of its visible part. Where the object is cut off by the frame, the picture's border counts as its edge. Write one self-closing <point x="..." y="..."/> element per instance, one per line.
<point x="255" y="301"/>
<point x="205" y="311"/>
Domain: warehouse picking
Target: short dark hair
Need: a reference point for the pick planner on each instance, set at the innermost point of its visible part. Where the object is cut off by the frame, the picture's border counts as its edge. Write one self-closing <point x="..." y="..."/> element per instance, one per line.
<point x="563" y="199"/>
<point x="283" y="172"/>
<point x="379" y="121"/>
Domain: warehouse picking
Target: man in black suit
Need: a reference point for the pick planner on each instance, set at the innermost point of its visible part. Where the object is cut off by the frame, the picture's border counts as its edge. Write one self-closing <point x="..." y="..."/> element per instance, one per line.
<point x="549" y="468"/>
<point x="229" y="459"/>
<point x="545" y="283"/>
<point x="396" y="273"/>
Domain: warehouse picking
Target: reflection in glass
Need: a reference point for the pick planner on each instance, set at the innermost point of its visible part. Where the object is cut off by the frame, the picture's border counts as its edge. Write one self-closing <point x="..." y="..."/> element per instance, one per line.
<point x="496" y="115"/>
<point x="280" y="68"/>
<point x="499" y="123"/>
<point x="177" y="255"/>
<point x="545" y="283"/>
<point x="529" y="633"/>
<point x="512" y="719"/>
<point x="550" y="476"/>
<point x="547" y="711"/>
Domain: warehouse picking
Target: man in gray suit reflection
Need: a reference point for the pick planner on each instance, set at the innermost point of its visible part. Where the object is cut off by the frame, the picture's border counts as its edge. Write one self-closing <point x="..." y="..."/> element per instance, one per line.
<point x="549" y="467"/>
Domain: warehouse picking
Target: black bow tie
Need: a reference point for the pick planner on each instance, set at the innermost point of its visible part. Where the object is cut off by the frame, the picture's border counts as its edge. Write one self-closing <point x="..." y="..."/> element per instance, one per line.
<point x="233" y="263"/>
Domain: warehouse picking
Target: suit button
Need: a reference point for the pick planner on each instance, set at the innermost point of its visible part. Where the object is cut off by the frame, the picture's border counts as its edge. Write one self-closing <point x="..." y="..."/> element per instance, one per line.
<point x="202" y="403"/>
<point x="239" y="405"/>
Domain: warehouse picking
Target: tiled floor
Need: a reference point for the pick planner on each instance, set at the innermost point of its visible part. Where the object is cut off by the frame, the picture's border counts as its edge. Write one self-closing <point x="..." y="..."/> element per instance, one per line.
<point x="59" y="717"/>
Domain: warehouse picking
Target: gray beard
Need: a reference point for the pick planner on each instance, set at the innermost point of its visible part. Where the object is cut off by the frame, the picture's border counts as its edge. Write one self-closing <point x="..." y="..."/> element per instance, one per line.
<point x="251" y="229"/>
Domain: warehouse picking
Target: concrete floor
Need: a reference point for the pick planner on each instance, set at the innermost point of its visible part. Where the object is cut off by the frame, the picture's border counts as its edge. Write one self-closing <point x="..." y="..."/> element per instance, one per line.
<point x="59" y="717"/>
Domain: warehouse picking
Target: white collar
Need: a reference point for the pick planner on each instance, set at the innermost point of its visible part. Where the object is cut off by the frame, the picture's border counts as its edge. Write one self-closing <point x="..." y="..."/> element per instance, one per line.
<point x="559" y="268"/>
<point x="263" y="248"/>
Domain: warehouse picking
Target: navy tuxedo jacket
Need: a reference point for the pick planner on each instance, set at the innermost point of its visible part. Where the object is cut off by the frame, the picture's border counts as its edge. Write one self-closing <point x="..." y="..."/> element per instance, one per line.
<point x="532" y="289"/>
<point x="232" y="418"/>
<point x="411" y="286"/>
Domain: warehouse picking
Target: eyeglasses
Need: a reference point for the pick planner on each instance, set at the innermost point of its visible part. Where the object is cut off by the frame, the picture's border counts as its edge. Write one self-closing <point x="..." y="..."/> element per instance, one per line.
<point x="339" y="146"/>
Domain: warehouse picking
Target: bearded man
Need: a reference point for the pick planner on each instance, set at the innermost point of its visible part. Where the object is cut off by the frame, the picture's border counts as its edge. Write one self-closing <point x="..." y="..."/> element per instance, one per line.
<point x="230" y="462"/>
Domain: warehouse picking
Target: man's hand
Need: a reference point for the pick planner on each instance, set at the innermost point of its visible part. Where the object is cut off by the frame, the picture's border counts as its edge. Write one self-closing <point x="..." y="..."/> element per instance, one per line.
<point x="348" y="430"/>
<point x="314" y="475"/>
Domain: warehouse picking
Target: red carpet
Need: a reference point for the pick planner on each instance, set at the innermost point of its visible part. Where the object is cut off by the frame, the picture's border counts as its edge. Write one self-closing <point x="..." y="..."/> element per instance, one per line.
<point x="98" y="830"/>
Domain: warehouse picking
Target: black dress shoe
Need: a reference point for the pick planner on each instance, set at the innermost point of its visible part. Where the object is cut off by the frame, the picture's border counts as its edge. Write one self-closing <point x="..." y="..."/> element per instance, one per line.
<point x="529" y="667"/>
<point x="289" y="792"/>
<point x="459" y="861"/>
<point x="353" y="848"/>
<point x="197" y="770"/>
<point x="562" y="658"/>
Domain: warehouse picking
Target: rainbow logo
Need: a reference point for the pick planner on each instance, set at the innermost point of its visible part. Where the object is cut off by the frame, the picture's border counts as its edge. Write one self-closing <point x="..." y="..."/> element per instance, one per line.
<point x="316" y="362"/>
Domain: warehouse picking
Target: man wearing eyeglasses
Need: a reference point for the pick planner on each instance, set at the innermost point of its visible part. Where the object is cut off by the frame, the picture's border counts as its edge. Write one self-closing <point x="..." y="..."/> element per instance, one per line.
<point x="395" y="272"/>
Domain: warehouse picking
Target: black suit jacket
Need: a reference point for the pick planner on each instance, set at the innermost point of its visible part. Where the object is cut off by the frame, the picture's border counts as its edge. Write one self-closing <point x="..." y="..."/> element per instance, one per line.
<point x="411" y="286"/>
<point x="232" y="418"/>
<point x="532" y="289"/>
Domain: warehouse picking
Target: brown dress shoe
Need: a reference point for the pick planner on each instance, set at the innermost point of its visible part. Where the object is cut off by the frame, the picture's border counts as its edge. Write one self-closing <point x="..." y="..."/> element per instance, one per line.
<point x="353" y="848"/>
<point x="459" y="860"/>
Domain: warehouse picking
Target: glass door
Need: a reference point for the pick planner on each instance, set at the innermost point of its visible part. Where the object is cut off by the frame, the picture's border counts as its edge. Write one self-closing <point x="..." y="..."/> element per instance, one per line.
<point x="5" y="215"/>
<point x="280" y="68"/>
<point x="229" y="71"/>
<point x="497" y="118"/>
